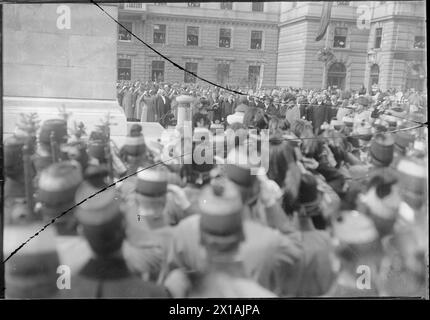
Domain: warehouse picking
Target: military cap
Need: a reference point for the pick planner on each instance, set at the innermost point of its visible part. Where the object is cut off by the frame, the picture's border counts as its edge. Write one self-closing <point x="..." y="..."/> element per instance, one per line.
<point x="364" y="132"/>
<point x="221" y="223"/>
<point x="381" y="149"/>
<point x="151" y="183"/>
<point x="412" y="176"/>
<point x="57" y="127"/>
<point x="134" y="144"/>
<point x="58" y="183"/>
<point x="97" y="206"/>
<point x="353" y="227"/>
<point x="32" y="272"/>
<point x="238" y="168"/>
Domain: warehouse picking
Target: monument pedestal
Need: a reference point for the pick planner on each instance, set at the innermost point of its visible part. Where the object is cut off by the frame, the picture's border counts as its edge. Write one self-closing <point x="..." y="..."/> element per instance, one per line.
<point x="61" y="55"/>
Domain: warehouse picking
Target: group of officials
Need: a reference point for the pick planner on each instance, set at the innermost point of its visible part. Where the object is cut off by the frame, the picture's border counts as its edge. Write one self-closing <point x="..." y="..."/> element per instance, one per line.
<point x="339" y="209"/>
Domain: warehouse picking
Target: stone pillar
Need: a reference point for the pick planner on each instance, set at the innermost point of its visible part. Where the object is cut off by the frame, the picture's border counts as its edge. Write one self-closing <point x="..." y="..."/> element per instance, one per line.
<point x="184" y="111"/>
<point x="61" y="55"/>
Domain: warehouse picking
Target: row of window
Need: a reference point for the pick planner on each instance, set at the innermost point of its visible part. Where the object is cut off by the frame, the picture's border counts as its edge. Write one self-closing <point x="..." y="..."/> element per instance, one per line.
<point x="340" y="37"/>
<point x="158" y="70"/>
<point x="419" y="41"/>
<point x="192" y="36"/>
<point x="256" y="6"/>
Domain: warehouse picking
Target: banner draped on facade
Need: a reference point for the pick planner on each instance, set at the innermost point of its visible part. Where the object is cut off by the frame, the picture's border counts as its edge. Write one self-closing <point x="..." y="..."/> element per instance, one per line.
<point x="325" y="19"/>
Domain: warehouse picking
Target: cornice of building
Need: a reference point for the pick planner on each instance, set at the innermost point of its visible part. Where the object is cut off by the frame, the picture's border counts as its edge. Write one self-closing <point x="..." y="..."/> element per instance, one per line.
<point x="314" y="19"/>
<point x="398" y="17"/>
<point x="211" y="20"/>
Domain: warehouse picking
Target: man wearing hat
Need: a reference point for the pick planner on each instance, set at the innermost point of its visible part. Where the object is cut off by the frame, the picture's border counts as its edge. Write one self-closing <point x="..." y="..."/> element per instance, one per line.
<point x="31" y="273"/>
<point x="292" y="112"/>
<point x="358" y="245"/>
<point x="134" y="152"/>
<point x="270" y="108"/>
<point x="313" y="275"/>
<point x="381" y="150"/>
<point x="56" y="190"/>
<point x="52" y="135"/>
<point x="105" y="274"/>
<point x="150" y="209"/>
<point x="319" y="113"/>
<point x="265" y="257"/>
<point x="228" y="105"/>
<point x="221" y="233"/>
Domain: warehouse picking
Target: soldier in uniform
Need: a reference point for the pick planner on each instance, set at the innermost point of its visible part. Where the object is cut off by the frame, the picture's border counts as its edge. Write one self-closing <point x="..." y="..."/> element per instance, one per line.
<point x="105" y="274"/>
<point x="221" y="233"/>
<point x="358" y="249"/>
<point x="56" y="190"/>
<point x="134" y="152"/>
<point x="313" y="275"/>
<point x="52" y="135"/>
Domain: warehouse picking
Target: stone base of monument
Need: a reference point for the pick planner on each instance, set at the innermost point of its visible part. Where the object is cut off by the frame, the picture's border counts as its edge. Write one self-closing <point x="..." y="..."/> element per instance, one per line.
<point x="90" y="112"/>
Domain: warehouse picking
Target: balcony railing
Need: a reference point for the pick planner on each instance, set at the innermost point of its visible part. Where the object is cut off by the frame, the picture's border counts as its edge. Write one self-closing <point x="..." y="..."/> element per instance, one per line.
<point x="133" y="6"/>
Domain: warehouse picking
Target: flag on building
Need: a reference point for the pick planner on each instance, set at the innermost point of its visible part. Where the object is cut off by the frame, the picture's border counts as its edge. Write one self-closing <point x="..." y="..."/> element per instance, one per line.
<point x="325" y="20"/>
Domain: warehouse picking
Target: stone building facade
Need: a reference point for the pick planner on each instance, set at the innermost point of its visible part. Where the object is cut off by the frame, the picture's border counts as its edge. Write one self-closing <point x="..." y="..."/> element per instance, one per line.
<point x="223" y="43"/>
<point x="378" y="44"/>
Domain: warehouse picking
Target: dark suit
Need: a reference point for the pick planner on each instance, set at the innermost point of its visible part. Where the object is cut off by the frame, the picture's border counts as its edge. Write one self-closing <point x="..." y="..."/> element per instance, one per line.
<point x="152" y="113"/>
<point x="227" y="108"/>
<point x="319" y="114"/>
<point x="162" y="107"/>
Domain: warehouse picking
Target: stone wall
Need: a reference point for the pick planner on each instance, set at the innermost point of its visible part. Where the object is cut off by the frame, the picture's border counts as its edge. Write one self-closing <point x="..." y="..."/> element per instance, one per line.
<point x="47" y="65"/>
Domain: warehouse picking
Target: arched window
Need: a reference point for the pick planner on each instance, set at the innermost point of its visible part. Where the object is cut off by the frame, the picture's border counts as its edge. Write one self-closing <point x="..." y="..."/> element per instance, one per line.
<point x="374" y="74"/>
<point x="336" y="75"/>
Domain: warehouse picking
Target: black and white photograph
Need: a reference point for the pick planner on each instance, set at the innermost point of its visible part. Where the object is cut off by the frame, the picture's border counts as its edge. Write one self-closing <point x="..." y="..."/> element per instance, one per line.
<point x="257" y="150"/>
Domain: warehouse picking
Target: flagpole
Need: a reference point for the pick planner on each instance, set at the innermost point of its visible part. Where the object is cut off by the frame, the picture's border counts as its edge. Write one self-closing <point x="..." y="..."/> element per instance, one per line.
<point x="324" y="79"/>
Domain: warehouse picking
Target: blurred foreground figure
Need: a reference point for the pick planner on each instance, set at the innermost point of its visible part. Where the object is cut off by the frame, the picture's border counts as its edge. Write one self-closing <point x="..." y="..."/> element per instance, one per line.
<point x="359" y="252"/>
<point x="221" y="233"/>
<point x="32" y="272"/>
<point x="106" y="274"/>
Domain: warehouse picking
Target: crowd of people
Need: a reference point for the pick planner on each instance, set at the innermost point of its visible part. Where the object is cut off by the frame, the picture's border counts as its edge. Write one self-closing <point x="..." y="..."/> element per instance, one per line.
<point x="339" y="210"/>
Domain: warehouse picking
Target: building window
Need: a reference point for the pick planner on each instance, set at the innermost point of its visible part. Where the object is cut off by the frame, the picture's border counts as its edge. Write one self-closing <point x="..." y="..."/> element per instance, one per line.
<point x="343" y="3"/>
<point x="419" y="42"/>
<point x="258" y="6"/>
<point x="378" y="38"/>
<point x="226" y="5"/>
<point x="256" y="39"/>
<point x="224" y="38"/>
<point x="124" y="69"/>
<point x="123" y="34"/>
<point x="192" y="67"/>
<point x="415" y="77"/>
<point x="253" y="76"/>
<point x="223" y="73"/>
<point x="160" y="33"/>
<point x="374" y="75"/>
<point x="192" y="36"/>
<point x="336" y="76"/>
<point x="194" y="4"/>
<point x="157" y="71"/>
<point x="340" y="37"/>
